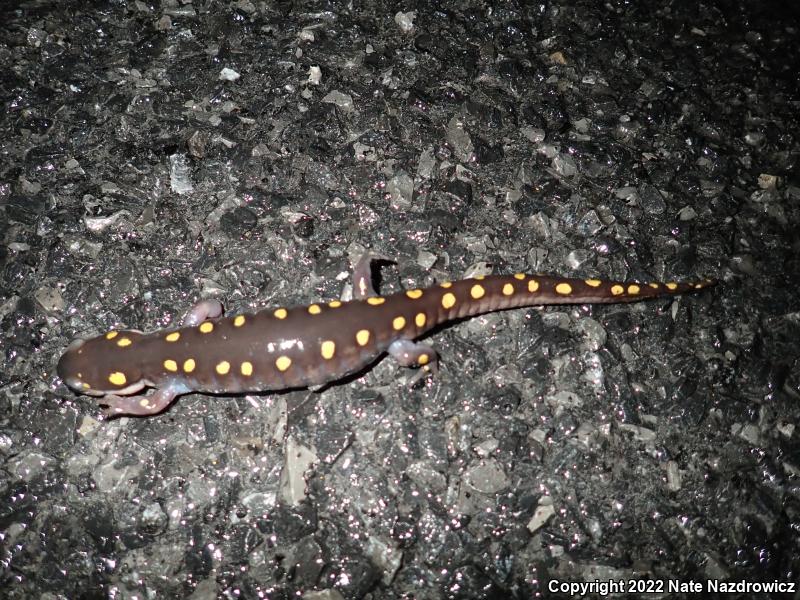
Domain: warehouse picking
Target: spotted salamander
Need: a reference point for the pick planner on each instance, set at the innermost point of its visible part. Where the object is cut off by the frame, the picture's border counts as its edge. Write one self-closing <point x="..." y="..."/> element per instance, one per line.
<point x="308" y="346"/>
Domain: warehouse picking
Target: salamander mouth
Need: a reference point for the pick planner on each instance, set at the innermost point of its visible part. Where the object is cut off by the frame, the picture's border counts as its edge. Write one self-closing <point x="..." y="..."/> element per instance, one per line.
<point x="79" y="386"/>
<point x="126" y="391"/>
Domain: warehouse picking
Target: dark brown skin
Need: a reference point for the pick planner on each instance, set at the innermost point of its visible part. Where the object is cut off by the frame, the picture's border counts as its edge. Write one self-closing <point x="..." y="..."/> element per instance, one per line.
<point x="310" y="345"/>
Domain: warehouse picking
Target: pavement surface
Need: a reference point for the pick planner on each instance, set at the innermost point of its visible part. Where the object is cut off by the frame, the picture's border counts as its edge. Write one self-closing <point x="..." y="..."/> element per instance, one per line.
<point x="153" y="154"/>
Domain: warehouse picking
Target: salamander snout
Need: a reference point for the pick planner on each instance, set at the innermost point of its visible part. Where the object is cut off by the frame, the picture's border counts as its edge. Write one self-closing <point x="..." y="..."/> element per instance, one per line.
<point x="69" y="366"/>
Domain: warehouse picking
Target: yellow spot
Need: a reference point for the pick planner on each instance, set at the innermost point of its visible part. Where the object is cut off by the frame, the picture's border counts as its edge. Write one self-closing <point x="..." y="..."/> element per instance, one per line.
<point x="414" y="294"/>
<point x="634" y="289"/>
<point x="238" y="321"/>
<point x="223" y="367"/>
<point x="477" y="291"/>
<point x="189" y="365"/>
<point x="206" y="327"/>
<point x="423" y="359"/>
<point x="697" y="286"/>
<point x="519" y="276"/>
<point x="328" y="349"/>
<point x="170" y="365"/>
<point x="362" y="337"/>
<point x="398" y="323"/>
<point x="117" y="378"/>
<point x="617" y="289"/>
<point x="446" y="284"/>
<point x="144" y="403"/>
<point x="314" y="309"/>
<point x="655" y="286"/>
<point x="593" y="282"/>
<point x="335" y="303"/>
<point x="672" y="286"/>
<point x="247" y="369"/>
<point x="376" y="300"/>
<point x="448" y="300"/>
<point x="86" y="386"/>
<point x="479" y="277"/>
<point x="173" y="337"/>
<point x="124" y="342"/>
<point x="564" y="288"/>
<point x="508" y="289"/>
<point x="420" y="319"/>
<point x="283" y="363"/>
<point x="111" y="335"/>
<point x="280" y="313"/>
<point x="533" y="285"/>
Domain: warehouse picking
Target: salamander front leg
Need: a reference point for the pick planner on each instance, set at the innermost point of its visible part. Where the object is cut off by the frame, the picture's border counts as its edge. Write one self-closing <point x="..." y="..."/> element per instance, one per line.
<point x="362" y="275"/>
<point x="202" y="311"/>
<point x="141" y="405"/>
<point x="409" y="353"/>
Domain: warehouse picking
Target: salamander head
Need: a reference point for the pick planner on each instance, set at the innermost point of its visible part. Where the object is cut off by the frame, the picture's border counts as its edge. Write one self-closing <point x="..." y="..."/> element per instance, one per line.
<point x="102" y="365"/>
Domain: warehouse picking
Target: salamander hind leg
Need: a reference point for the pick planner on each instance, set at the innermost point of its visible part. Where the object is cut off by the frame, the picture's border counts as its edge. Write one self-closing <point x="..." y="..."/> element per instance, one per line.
<point x="409" y="353"/>
<point x="202" y="311"/>
<point x="141" y="405"/>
